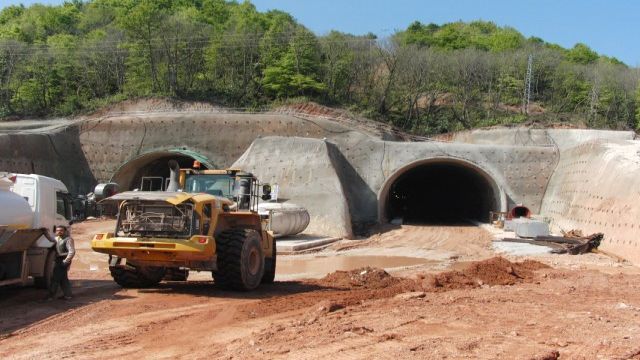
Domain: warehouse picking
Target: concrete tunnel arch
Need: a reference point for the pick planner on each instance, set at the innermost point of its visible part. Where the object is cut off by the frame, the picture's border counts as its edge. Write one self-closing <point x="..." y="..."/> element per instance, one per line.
<point x="440" y="190"/>
<point x="155" y="163"/>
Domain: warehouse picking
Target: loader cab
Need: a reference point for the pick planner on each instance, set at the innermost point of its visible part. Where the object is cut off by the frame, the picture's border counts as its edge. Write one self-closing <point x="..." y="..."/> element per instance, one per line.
<point x="214" y="184"/>
<point x="241" y="187"/>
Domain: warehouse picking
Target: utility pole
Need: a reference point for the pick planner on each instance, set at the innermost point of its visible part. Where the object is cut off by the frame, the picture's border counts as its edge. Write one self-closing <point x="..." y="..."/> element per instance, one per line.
<point x="527" y="86"/>
<point x="593" y="104"/>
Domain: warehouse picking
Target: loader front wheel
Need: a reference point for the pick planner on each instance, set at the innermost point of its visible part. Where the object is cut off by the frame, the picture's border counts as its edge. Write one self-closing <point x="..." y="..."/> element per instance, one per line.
<point x="129" y="276"/>
<point x="240" y="259"/>
<point x="270" y="266"/>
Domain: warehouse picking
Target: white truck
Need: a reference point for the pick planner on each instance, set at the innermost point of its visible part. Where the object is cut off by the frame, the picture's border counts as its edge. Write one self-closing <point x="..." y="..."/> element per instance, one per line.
<point x="30" y="208"/>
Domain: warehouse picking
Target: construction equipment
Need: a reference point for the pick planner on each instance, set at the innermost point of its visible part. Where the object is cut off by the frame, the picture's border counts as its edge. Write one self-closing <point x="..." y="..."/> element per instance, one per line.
<point x="282" y="218"/>
<point x="32" y="205"/>
<point x="206" y="221"/>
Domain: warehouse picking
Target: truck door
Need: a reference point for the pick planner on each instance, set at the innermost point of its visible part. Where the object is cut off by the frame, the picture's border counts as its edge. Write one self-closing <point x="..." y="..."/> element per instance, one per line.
<point x="63" y="208"/>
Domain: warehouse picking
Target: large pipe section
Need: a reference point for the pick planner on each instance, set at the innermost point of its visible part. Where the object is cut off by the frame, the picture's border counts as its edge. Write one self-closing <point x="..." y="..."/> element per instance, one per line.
<point x="285" y="218"/>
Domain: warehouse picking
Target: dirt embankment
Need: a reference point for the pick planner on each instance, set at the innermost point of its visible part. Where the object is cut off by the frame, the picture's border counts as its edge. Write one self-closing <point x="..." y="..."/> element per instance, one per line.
<point x="494" y="308"/>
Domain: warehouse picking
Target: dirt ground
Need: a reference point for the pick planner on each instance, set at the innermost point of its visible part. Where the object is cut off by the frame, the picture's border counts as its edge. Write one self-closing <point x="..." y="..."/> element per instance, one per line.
<point x="462" y="302"/>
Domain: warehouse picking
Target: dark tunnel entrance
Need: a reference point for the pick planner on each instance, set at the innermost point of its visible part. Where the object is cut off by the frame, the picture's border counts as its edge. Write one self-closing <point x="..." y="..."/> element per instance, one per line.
<point x="150" y="172"/>
<point x="441" y="192"/>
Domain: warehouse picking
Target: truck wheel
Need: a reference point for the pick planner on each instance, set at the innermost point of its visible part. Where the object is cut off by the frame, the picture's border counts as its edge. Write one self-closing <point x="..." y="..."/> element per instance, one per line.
<point x="240" y="260"/>
<point x="44" y="281"/>
<point x="137" y="277"/>
<point x="270" y="266"/>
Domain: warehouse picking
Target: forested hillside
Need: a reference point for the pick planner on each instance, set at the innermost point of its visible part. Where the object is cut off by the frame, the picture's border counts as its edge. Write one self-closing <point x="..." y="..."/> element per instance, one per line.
<point x="74" y="58"/>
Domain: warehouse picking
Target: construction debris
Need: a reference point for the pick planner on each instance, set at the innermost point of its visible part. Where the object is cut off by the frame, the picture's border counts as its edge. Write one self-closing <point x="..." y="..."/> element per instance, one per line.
<point x="574" y="233"/>
<point x="565" y="244"/>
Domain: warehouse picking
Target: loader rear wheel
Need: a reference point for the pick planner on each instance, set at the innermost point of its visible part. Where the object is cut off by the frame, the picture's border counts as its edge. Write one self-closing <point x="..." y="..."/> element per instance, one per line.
<point x="137" y="277"/>
<point x="270" y="266"/>
<point x="240" y="260"/>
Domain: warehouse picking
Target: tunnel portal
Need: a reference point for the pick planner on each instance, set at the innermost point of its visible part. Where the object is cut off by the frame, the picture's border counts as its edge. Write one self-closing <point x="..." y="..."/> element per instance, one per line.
<point x="150" y="172"/>
<point x="441" y="192"/>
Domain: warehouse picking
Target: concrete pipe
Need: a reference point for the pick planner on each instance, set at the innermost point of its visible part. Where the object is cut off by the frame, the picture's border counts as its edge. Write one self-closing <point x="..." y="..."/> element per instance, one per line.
<point x="519" y="211"/>
<point x="285" y="218"/>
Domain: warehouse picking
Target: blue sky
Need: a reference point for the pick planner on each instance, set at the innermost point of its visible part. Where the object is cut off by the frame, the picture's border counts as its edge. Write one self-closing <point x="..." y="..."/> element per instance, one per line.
<point x="609" y="27"/>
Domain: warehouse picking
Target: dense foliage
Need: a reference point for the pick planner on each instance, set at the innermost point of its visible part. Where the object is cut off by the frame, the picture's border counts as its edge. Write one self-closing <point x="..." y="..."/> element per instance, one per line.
<point x="72" y="58"/>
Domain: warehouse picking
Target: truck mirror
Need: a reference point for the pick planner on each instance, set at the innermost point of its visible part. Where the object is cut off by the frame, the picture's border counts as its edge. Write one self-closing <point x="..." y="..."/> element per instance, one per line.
<point x="266" y="197"/>
<point x="266" y="189"/>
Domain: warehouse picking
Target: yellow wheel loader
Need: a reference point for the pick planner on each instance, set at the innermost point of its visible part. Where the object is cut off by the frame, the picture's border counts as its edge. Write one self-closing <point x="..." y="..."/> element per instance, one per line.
<point x="206" y="221"/>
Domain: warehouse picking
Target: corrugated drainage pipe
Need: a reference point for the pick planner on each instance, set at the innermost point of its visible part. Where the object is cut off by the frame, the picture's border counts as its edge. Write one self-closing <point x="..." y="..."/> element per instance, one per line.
<point x="519" y="211"/>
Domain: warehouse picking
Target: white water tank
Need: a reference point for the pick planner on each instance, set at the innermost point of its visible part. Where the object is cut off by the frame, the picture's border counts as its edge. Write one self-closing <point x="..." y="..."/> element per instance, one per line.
<point x="285" y="218"/>
<point x="15" y="212"/>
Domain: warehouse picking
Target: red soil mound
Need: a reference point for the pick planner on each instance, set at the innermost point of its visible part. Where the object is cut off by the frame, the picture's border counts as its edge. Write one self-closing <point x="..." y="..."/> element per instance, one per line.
<point x="363" y="278"/>
<point x="494" y="271"/>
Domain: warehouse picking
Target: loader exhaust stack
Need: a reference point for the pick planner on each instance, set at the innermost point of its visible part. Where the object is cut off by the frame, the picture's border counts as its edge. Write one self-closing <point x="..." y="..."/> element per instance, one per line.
<point x="174" y="173"/>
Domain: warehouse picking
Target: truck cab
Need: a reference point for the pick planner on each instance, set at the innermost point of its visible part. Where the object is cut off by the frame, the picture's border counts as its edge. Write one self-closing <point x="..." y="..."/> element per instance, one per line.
<point x="33" y="206"/>
<point x="48" y="198"/>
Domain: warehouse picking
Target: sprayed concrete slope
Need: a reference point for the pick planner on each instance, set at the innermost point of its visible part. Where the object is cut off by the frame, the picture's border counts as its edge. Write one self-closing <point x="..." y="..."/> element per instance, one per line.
<point x="304" y="170"/>
<point x="596" y="188"/>
<point x="522" y="136"/>
<point x="57" y="153"/>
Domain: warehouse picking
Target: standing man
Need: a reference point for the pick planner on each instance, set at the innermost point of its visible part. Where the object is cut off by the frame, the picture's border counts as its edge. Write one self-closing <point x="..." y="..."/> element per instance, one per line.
<point x="65" y="251"/>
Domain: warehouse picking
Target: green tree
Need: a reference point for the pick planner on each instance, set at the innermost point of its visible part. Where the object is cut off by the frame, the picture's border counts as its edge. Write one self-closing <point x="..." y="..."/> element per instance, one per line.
<point x="32" y="93"/>
<point x="338" y="63"/>
<point x="505" y="39"/>
<point x="142" y="24"/>
<point x="297" y="72"/>
<point x="233" y="58"/>
<point x="12" y="55"/>
<point x="582" y="54"/>
<point x="10" y="13"/>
